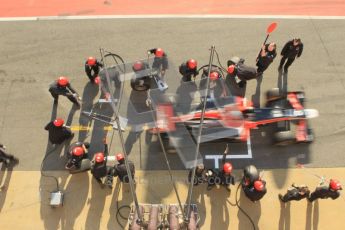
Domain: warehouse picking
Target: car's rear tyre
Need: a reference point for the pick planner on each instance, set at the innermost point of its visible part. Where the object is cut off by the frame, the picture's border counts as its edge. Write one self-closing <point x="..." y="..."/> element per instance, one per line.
<point x="284" y="138"/>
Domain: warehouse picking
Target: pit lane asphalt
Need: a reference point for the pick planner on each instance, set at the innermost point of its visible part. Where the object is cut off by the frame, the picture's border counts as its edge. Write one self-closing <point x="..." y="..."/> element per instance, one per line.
<point x="34" y="53"/>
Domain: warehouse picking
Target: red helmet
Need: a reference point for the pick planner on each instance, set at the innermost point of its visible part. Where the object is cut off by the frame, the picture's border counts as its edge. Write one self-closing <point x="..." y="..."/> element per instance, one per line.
<point x="258" y="185"/>
<point x="99" y="157"/>
<point x="159" y="52"/>
<point x="231" y="69"/>
<point x="335" y="185"/>
<point x="62" y="81"/>
<point x="227" y="168"/>
<point x="138" y="65"/>
<point x="214" y="75"/>
<point x="91" y="61"/>
<point x="78" y="151"/>
<point x="191" y="63"/>
<point x="119" y="157"/>
<point x="58" y="122"/>
<point x="97" y="80"/>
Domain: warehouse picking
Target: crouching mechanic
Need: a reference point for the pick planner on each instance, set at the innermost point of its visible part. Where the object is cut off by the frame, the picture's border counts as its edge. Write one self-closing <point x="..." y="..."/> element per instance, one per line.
<point x="189" y="70"/>
<point x="217" y="87"/>
<point x="295" y="192"/>
<point x="99" y="169"/>
<point x="58" y="131"/>
<point x="255" y="191"/>
<point x="120" y="168"/>
<point x="92" y="68"/>
<point x="324" y="191"/>
<point x="253" y="186"/>
<point x="243" y="72"/>
<point x="63" y="87"/>
<point x="160" y="61"/>
<point x="78" y="157"/>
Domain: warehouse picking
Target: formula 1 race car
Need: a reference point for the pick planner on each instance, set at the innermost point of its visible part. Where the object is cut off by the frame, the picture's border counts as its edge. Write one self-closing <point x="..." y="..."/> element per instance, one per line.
<point x="232" y="118"/>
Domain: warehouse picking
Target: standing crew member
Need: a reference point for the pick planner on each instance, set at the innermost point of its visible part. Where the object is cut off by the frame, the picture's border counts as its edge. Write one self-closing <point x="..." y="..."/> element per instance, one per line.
<point x="290" y="51"/>
<point x="92" y="68"/>
<point x="120" y="168"/>
<point x="58" y="132"/>
<point x="62" y="87"/>
<point x="188" y="70"/>
<point x="295" y="193"/>
<point x="266" y="57"/>
<point x="7" y="159"/>
<point x="324" y="191"/>
<point x="224" y="177"/>
<point x="100" y="170"/>
<point x="256" y="191"/>
<point x="77" y="153"/>
<point x="160" y="61"/>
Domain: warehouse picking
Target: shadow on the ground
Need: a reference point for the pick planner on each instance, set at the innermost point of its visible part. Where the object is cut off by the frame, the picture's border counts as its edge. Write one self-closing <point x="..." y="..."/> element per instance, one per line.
<point x="248" y="206"/>
<point x="312" y="216"/>
<point x="285" y="216"/>
<point x="5" y="178"/>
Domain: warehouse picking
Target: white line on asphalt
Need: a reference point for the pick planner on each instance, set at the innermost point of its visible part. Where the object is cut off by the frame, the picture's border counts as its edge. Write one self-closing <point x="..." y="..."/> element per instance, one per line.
<point x="217" y="158"/>
<point x="172" y="16"/>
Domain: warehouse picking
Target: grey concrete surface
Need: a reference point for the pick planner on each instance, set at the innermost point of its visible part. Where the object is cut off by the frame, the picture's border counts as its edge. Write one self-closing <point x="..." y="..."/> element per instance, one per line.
<point x="33" y="54"/>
